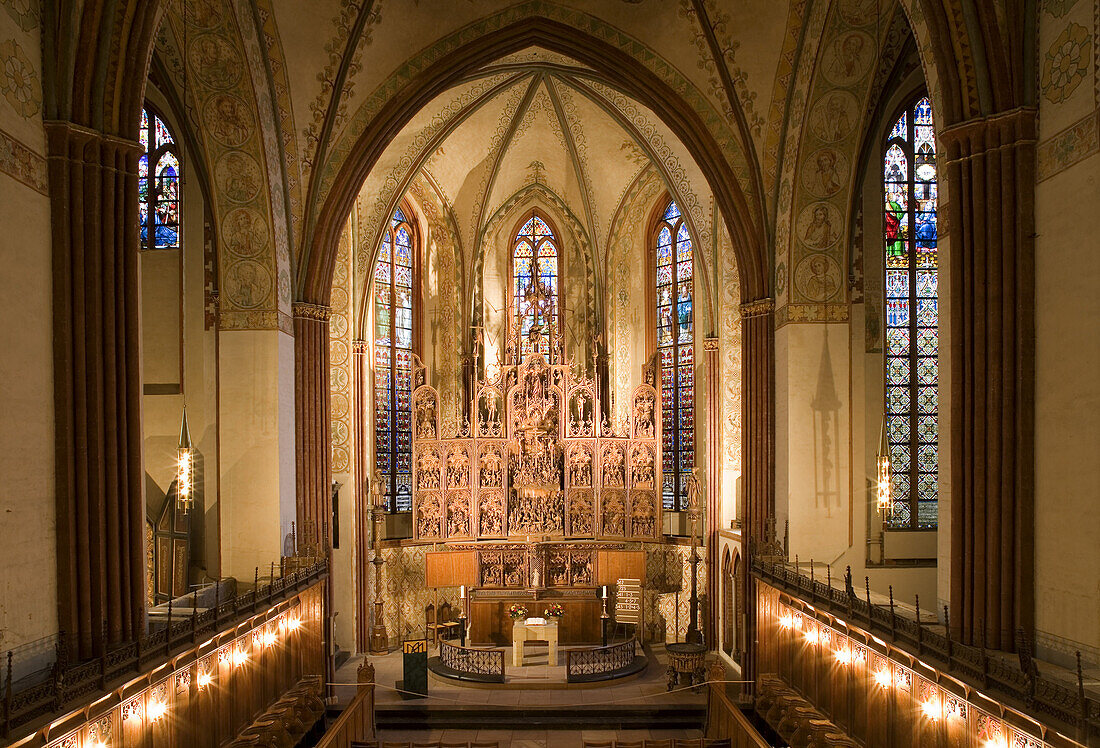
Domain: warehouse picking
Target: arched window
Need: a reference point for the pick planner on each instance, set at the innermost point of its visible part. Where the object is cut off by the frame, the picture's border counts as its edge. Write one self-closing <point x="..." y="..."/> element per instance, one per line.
<point x="393" y="351"/>
<point x="535" y="293"/>
<point x="912" y="318"/>
<point x="676" y="356"/>
<point x="158" y="184"/>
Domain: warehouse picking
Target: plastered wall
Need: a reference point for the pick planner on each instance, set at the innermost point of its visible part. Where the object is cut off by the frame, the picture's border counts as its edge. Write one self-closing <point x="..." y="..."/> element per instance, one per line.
<point x="27" y="484"/>
<point x="1067" y="348"/>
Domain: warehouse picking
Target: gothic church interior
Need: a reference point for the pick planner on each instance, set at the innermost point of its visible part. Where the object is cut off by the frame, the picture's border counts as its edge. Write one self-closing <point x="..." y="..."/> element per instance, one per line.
<point x="549" y="372"/>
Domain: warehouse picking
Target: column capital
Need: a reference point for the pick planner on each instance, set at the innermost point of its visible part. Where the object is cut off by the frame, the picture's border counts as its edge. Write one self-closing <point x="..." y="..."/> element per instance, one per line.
<point x="360" y="347"/>
<point x="710" y="344"/>
<point x="1014" y="127"/>
<point x="757" y="308"/>
<point x="318" y="312"/>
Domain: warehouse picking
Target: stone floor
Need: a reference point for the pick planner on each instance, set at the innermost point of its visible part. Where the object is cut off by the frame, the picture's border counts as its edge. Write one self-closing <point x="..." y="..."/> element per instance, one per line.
<point x="645" y="690"/>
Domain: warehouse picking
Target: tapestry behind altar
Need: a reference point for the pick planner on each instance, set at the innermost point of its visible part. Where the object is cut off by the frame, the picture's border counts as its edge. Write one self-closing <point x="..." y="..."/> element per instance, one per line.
<point x="524" y="465"/>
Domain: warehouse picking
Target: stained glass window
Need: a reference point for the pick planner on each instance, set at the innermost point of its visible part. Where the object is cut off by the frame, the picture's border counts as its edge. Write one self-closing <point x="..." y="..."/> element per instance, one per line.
<point x="535" y="288"/>
<point x="393" y="351"/>
<point x="158" y="184"/>
<point x="912" y="318"/>
<point x="676" y="356"/>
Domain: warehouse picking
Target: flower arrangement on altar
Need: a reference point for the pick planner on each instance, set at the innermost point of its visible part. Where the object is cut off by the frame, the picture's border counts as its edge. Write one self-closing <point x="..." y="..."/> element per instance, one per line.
<point x="517" y="611"/>
<point x="554" y="610"/>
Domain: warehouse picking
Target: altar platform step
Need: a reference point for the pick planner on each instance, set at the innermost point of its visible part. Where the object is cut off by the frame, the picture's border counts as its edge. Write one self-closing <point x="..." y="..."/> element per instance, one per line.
<point x="422" y="717"/>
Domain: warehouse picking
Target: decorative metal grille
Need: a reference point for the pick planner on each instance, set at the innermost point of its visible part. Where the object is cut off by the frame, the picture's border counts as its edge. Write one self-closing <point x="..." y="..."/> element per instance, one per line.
<point x="472" y="661"/>
<point x="601" y="659"/>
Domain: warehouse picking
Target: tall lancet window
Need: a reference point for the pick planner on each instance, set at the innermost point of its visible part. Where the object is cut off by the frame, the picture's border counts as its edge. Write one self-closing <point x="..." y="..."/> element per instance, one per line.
<point x="393" y="351"/>
<point x="158" y="184"/>
<point x="912" y="318"/>
<point x="676" y="356"/>
<point x="535" y="293"/>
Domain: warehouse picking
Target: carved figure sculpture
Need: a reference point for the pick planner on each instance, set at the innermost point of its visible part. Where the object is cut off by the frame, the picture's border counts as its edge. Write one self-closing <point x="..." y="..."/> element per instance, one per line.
<point x="427" y="468"/>
<point x="613" y="466"/>
<point x="429" y="521"/>
<point x="580" y="467"/>
<point x="580" y="513"/>
<point x="643" y="416"/>
<point x="458" y="515"/>
<point x="458" y="469"/>
<point x="641" y="467"/>
<point x="491" y="513"/>
<point x="425" y="416"/>
<point x="614" y="514"/>
<point x="643" y="516"/>
<point x="491" y="464"/>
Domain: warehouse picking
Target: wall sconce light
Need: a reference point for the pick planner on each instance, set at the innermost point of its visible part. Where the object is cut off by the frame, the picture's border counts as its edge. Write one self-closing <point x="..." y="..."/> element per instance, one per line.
<point x="882" y="677"/>
<point x="811" y="637"/>
<point x="844" y="655"/>
<point x="932" y="708"/>
<point x="204" y="680"/>
<point x="185" y="468"/>
<point x="240" y="657"/>
<point x="882" y="484"/>
<point x="157" y="709"/>
<point x="268" y="638"/>
<point x="786" y="622"/>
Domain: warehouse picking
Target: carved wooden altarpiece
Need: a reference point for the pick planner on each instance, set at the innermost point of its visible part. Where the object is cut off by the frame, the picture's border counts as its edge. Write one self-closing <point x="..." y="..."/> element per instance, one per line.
<point x="533" y="459"/>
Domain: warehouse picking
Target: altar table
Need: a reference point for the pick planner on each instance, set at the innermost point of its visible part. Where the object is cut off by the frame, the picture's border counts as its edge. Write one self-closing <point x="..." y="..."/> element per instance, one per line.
<point x="522" y="631"/>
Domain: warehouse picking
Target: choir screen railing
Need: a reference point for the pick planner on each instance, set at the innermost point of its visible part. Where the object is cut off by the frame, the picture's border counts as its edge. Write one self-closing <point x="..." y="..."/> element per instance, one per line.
<point x="581" y="663"/>
<point x="485" y="663"/>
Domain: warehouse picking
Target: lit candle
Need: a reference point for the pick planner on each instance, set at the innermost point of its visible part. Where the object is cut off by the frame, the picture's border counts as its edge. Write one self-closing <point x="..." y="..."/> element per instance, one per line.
<point x="603" y="592"/>
<point x="462" y="591"/>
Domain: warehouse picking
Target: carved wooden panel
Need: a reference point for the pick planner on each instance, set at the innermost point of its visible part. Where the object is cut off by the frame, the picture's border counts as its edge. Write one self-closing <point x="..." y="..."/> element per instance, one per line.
<point x="642" y="468"/>
<point x="426" y="411"/>
<point x="582" y="514"/>
<point x="490" y="464"/>
<point x="429" y="514"/>
<point x="459" y="519"/>
<point x="458" y="464"/>
<point x="613" y="513"/>
<point x="612" y="465"/>
<point x="644" y="413"/>
<point x="490" y="512"/>
<point x="580" y="464"/>
<point x="643" y="513"/>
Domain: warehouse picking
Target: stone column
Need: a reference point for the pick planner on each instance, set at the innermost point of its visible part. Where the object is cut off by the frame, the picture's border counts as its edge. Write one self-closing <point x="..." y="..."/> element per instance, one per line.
<point x="312" y="439"/>
<point x="712" y="372"/>
<point x="758" y="417"/>
<point x="97" y="387"/>
<point x="360" y="372"/>
<point x="757" y="448"/>
<point x="990" y="164"/>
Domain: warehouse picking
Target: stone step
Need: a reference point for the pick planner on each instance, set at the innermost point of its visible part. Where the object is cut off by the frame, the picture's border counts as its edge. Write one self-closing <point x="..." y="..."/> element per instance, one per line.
<point x="412" y="717"/>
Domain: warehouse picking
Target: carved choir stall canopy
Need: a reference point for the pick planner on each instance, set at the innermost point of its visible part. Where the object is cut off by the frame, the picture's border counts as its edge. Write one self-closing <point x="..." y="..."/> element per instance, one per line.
<point x="532" y="458"/>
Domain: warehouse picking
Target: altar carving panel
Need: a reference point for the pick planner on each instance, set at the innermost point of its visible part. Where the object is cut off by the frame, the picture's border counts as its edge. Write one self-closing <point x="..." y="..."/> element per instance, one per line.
<point x="532" y="458"/>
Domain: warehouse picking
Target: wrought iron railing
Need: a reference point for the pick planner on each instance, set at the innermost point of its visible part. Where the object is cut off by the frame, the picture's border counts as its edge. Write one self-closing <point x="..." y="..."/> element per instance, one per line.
<point x="600" y="660"/>
<point x="473" y="661"/>
<point x="69" y="684"/>
<point x="1062" y="706"/>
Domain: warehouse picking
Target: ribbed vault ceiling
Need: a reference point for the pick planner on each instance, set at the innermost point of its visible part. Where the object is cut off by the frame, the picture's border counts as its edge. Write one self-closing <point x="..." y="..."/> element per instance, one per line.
<point x="532" y="117"/>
